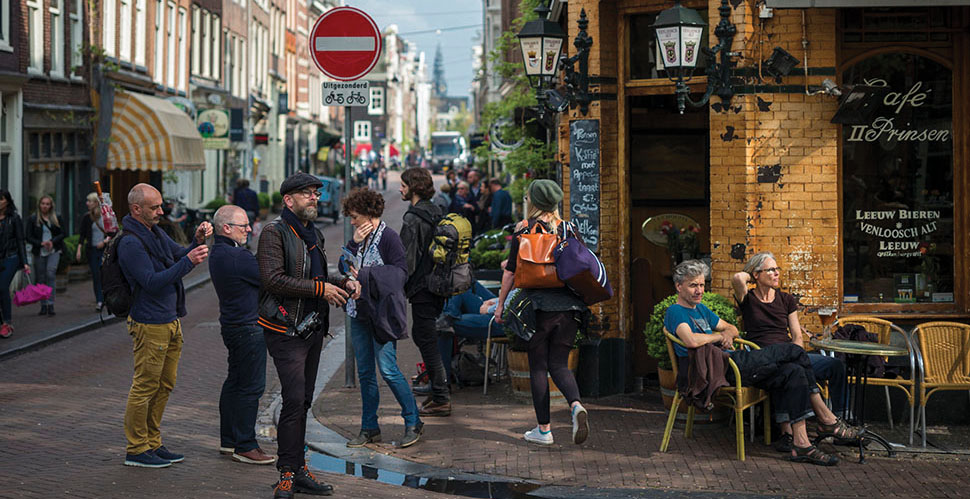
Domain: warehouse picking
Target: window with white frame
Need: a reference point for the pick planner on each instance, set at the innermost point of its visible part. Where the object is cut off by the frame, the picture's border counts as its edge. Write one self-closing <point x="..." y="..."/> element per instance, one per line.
<point x="216" y="47"/>
<point x="183" y="66"/>
<point x="241" y="68"/>
<point x="6" y="142"/>
<point x="362" y="131"/>
<point x="376" y="105"/>
<point x="56" y="10"/>
<point x="109" y="25"/>
<point x="124" y="44"/>
<point x="170" y="54"/>
<point x="204" y="29"/>
<point x="196" y="45"/>
<point x="5" y="26"/>
<point x="35" y="36"/>
<point x="140" y="33"/>
<point x="159" y="53"/>
<point x="77" y="40"/>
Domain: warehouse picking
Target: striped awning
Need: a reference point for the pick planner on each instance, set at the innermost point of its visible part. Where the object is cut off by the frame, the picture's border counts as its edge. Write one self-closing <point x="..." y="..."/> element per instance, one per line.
<point x="151" y="134"/>
<point x="43" y="167"/>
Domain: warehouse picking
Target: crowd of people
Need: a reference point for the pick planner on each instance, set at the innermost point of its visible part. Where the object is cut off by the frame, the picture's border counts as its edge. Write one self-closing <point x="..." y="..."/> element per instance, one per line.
<point x="486" y="204"/>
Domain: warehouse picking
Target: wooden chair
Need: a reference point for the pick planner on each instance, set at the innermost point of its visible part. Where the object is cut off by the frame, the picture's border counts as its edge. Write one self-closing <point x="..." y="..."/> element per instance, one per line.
<point x="944" y="359"/>
<point x="885" y="331"/>
<point x="502" y="342"/>
<point x="737" y="397"/>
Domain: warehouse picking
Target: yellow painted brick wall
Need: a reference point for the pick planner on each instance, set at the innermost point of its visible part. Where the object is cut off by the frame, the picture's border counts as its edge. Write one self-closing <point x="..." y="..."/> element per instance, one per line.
<point x="796" y="216"/>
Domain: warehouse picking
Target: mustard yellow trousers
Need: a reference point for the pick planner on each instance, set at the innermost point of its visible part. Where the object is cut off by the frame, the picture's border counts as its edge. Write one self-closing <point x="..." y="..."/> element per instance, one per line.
<point x="156" y="348"/>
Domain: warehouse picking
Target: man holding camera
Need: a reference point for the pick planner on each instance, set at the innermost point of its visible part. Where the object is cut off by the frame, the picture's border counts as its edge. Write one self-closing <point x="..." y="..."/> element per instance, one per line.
<point x="294" y="314"/>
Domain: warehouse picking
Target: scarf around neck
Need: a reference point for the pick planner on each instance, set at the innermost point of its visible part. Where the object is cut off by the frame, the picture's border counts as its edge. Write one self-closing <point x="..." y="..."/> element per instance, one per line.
<point x="368" y="255"/>
<point x="309" y="236"/>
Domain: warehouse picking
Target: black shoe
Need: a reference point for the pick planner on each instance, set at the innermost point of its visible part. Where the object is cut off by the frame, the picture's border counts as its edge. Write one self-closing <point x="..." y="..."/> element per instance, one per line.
<point x="305" y="483"/>
<point x="43" y="309"/>
<point x="784" y="443"/>
<point x="424" y="389"/>
<point x="50" y="310"/>
<point x="167" y="455"/>
<point x="284" y="487"/>
<point x="444" y="324"/>
<point x="365" y="437"/>
<point x="411" y="435"/>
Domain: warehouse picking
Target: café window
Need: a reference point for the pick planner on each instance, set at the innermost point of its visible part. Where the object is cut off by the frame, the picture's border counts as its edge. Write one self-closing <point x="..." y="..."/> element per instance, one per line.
<point x="898" y="184"/>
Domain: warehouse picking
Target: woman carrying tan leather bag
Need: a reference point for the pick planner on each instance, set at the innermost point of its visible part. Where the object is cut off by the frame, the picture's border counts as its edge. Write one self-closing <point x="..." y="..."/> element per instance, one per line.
<point x="558" y="311"/>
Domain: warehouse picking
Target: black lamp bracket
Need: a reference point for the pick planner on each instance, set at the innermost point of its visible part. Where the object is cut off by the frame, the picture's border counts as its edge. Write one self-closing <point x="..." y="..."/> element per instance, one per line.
<point x="577" y="82"/>
<point x="719" y="67"/>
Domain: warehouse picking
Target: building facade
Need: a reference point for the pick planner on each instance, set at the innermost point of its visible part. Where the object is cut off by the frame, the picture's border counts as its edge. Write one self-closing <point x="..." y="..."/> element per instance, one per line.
<point x="861" y="205"/>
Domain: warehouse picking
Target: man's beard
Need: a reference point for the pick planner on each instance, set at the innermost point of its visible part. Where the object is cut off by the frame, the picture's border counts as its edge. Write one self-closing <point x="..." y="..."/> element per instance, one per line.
<point x="307" y="214"/>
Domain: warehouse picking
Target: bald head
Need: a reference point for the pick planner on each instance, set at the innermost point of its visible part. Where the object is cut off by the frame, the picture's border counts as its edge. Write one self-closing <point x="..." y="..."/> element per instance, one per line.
<point x="231" y="221"/>
<point x="145" y="203"/>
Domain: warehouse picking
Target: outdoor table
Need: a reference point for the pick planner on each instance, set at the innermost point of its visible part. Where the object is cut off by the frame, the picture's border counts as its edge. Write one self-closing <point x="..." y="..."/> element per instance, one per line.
<point x="857" y="363"/>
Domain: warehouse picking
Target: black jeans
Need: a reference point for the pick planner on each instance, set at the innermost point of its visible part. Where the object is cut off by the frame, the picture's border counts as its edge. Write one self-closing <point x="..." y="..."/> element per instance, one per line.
<point x="785" y="371"/>
<point x="549" y="353"/>
<point x="425" y="309"/>
<point x="239" y="401"/>
<point x="296" y="363"/>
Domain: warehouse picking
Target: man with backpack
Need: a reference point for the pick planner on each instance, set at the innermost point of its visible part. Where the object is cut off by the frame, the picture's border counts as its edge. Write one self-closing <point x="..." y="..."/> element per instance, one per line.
<point x="419" y="226"/>
<point x="153" y="266"/>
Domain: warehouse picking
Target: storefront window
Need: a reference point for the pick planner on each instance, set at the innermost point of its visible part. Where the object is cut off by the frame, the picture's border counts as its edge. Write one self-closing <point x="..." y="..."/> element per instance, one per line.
<point x="897" y="184"/>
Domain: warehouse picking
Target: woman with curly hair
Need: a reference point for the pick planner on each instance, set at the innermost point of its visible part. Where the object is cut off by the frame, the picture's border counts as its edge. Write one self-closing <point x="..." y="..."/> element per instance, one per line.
<point x="378" y="314"/>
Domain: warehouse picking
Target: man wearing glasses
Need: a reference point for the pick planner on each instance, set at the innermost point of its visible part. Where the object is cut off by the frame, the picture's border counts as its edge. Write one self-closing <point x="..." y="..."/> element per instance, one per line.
<point x="235" y="275"/>
<point x="293" y="312"/>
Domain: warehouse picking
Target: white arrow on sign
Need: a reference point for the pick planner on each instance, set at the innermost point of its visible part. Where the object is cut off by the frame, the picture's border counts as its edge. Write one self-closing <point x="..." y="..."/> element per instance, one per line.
<point x="344" y="43"/>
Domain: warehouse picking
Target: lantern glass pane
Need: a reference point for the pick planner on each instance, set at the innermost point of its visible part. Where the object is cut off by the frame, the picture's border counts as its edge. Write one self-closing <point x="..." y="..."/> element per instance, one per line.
<point x="550" y="55"/>
<point x="669" y="41"/>
<point x="532" y="55"/>
<point x="690" y="45"/>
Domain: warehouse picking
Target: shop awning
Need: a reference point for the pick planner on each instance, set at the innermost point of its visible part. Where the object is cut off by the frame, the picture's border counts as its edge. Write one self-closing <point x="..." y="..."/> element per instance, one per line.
<point x="151" y="134"/>
<point x="392" y="151"/>
<point x="822" y="4"/>
<point x="362" y="147"/>
<point x="43" y="167"/>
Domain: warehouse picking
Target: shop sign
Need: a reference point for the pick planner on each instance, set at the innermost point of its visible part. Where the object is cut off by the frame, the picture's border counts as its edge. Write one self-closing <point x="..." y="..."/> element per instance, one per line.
<point x="898" y="231"/>
<point x="889" y="129"/>
<point x="213" y="125"/>
<point x="237" y="132"/>
<point x="584" y="180"/>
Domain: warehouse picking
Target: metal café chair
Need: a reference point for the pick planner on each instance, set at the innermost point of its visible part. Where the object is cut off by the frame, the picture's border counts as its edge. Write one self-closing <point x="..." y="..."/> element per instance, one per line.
<point x="500" y="342"/>
<point x="944" y="358"/>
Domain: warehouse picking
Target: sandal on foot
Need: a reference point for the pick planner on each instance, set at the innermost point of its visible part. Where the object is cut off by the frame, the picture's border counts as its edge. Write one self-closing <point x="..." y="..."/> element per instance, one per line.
<point x="812" y="455"/>
<point x="840" y="431"/>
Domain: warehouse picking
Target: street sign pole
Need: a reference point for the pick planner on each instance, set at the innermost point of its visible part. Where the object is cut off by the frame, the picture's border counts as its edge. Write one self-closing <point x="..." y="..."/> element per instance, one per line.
<point x="350" y="362"/>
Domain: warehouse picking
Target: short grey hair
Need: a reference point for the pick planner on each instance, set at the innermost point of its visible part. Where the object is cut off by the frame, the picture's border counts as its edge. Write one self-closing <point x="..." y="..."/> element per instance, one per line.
<point x="463" y="184"/>
<point x="689" y="270"/>
<point x="757" y="261"/>
<point x="225" y="214"/>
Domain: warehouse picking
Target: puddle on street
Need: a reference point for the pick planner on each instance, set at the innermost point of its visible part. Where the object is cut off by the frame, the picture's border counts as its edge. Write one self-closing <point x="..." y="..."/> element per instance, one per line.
<point x="465" y="488"/>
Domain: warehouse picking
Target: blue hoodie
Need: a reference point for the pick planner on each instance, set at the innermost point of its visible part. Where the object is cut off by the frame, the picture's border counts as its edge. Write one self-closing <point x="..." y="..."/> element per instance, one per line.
<point x="156" y="280"/>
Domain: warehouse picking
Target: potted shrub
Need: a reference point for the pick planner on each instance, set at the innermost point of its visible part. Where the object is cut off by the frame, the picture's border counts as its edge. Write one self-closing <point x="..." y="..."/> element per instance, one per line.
<point x="657" y="343"/>
<point x="277" y="199"/>
<point x="264" y="203"/>
<point x="487" y="255"/>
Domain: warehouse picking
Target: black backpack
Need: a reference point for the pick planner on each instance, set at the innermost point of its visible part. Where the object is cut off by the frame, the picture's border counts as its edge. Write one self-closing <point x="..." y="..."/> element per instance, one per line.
<point x="117" y="292"/>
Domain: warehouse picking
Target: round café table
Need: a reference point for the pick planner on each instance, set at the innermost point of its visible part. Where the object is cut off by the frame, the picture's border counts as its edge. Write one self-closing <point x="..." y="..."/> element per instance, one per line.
<point x="857" y="363"/>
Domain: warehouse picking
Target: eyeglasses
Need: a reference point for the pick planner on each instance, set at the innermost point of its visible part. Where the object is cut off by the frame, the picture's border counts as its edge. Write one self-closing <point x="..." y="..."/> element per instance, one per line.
<point x="237" y="225"/>
<point x="773" y="270"/>
<point x="309" y="193"/>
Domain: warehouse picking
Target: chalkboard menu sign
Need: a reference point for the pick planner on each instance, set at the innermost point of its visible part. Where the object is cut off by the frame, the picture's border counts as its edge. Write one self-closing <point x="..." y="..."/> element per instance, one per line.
<point x="584" y="180"/>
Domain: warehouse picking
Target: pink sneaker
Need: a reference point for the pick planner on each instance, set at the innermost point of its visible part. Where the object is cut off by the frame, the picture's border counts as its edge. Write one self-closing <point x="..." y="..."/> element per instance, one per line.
<point x="6" y="330"/>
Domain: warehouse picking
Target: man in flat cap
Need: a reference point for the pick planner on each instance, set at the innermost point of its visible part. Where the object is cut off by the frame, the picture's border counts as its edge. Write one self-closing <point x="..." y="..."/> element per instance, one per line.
<point x="294" y="314"/>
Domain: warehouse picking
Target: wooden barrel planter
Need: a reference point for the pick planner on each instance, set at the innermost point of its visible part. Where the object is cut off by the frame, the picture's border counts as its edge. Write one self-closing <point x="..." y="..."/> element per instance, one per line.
<point x="668" y="387"/>
<point x="519" y="374"/>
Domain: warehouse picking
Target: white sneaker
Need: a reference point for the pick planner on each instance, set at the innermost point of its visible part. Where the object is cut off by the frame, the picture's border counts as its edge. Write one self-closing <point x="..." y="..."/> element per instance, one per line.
<point x="580" y="424"/>
<point x="536" y="436"/>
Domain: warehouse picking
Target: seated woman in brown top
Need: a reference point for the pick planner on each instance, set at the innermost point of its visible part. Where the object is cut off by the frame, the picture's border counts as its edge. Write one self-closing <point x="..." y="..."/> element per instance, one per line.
<point x="771" y="316"/>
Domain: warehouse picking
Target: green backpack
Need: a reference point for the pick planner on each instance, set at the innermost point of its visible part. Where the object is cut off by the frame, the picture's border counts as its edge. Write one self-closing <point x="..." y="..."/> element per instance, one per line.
<point x="451" y="273"/>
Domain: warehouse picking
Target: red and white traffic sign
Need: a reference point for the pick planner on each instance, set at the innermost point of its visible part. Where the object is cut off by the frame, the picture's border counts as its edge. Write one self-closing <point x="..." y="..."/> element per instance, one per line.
<point x="345" y="43"/>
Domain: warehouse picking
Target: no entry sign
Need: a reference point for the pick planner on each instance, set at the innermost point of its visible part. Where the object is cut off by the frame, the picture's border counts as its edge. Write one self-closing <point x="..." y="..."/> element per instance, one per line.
<point x="345" y="43"/>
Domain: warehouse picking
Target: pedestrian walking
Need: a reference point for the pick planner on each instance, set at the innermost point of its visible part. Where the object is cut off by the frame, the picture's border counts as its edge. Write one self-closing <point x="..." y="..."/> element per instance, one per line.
<point x="94" y="239"/>
<point x="154" y="266"/>
<point x="416" y="233"/>
<point x="378" y="315"/>
<point x="293" y="311"/>
<point x="558" y="313"/>
<point x="500" y="209"/>
<point x="46" y="239"/>
<point x="13" y="256"/>
<point x="235" y="275"/>
<point x="247" y="199"/>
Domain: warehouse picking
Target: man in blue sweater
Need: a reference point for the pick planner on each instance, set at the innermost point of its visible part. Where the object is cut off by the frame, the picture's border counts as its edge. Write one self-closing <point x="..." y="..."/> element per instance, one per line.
<point x="154" y="266"/>
<point x="235" y="275"/>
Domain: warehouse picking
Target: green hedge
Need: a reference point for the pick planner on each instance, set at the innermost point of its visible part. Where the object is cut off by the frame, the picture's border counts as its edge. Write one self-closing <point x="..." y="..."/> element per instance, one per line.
<point x="264" y="200"/>
<point x="215" y="204"/>
<point x="70" y="250"/>
<point x="484" y="258"/>
<point x="277" y="198"/>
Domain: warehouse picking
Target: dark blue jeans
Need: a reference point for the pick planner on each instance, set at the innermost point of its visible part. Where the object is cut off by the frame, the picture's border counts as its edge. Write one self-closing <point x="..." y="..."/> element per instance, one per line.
<point x="94" y="262"/>
<point x="239" y="401"/>
<point x="10" y="265"/>
<point x="832" y="370"/>
<point x="371" y="356"/>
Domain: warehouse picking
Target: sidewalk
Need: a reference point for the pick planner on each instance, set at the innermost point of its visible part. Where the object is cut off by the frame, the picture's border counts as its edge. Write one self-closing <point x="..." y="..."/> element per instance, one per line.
<point x="76" y="313"/>
<point x="484" y="435"/>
